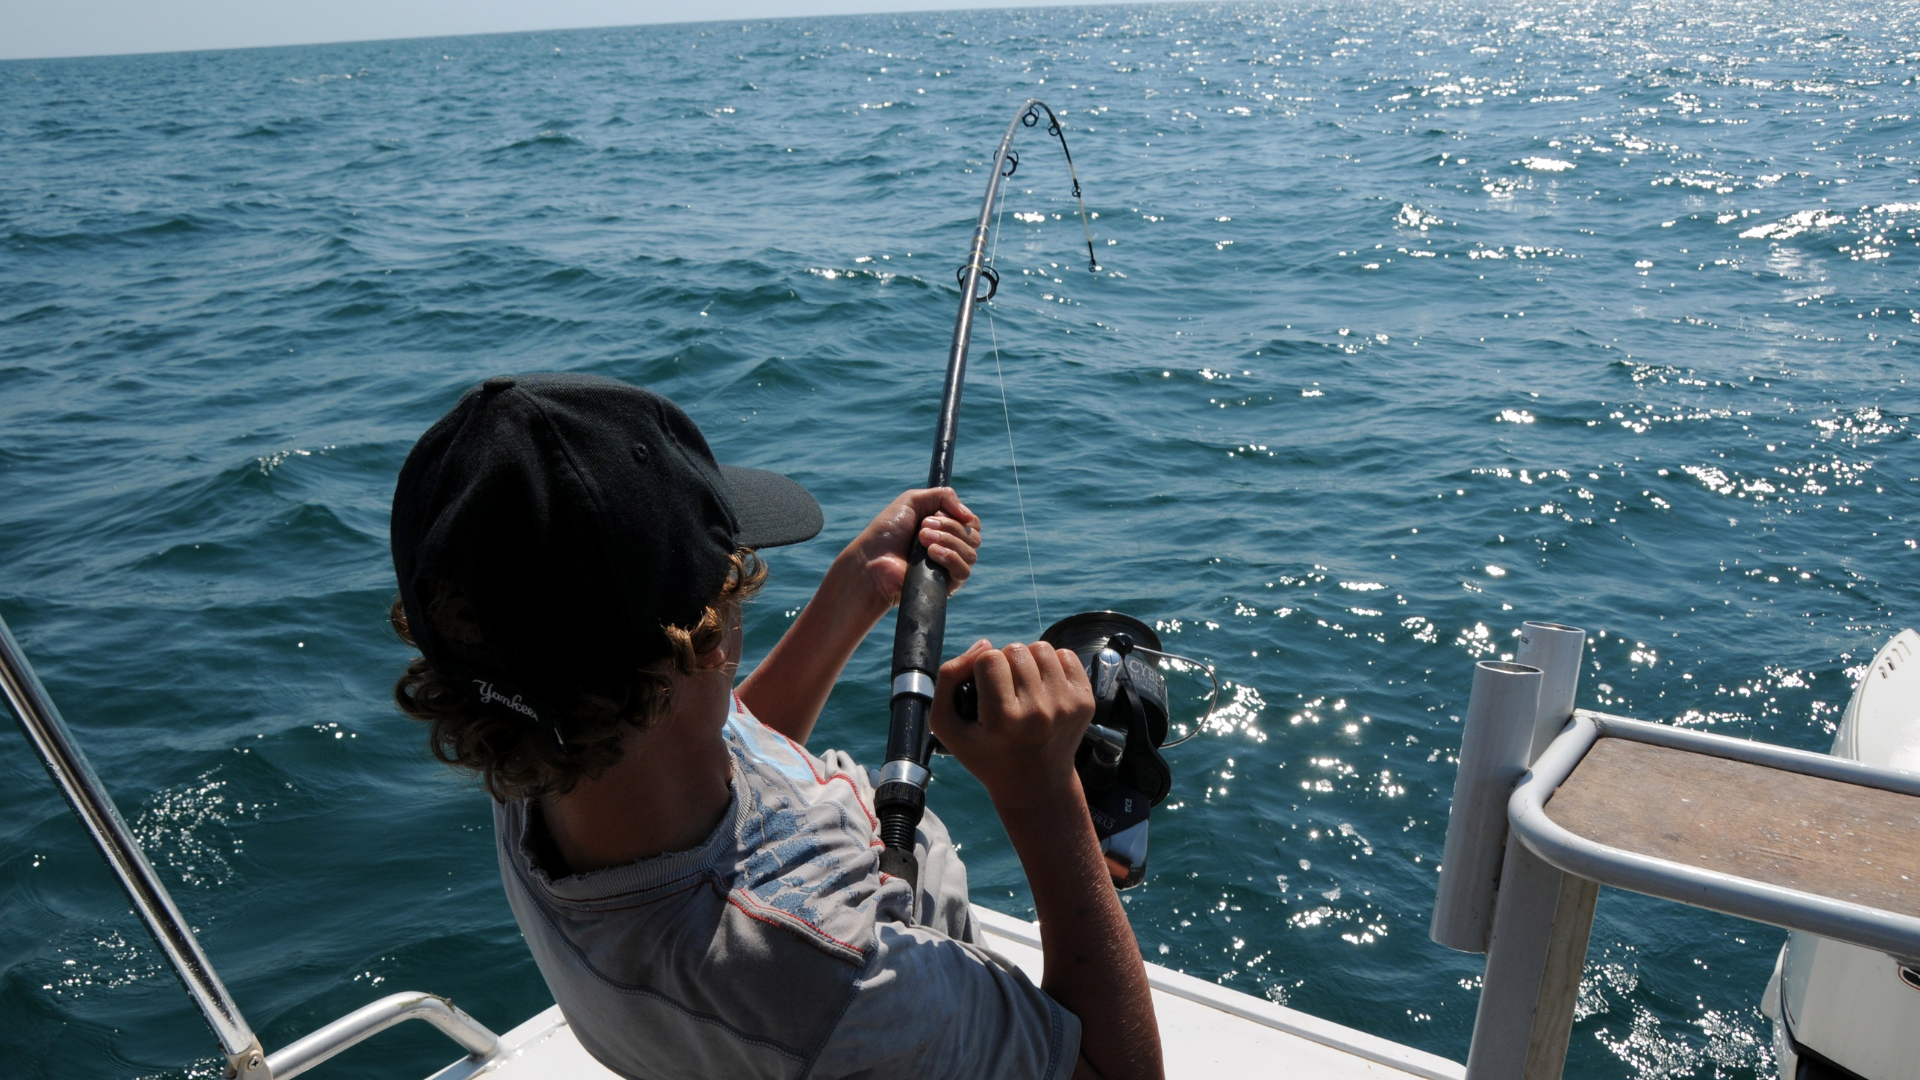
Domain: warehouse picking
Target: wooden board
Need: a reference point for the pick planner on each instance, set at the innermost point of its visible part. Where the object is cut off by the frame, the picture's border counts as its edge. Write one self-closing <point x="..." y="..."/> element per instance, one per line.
<point x="1833" y="839"/>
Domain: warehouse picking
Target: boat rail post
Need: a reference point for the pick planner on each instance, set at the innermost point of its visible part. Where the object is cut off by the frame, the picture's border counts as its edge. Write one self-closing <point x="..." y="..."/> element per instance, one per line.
<point x="1497" y="735"/>
<point x="1542" y="916"/>
<point x="246" y="1060"/>
<point x="75" y="777"/>
<point x="369" y="1020"/>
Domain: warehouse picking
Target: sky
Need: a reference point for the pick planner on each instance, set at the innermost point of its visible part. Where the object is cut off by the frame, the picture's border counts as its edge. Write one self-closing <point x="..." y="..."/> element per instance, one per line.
<point x="31" y="29"/>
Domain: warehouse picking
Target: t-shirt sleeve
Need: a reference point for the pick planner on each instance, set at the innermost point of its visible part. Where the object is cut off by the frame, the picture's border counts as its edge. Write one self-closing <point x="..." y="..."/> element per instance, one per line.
<point x="932" y="1008"/>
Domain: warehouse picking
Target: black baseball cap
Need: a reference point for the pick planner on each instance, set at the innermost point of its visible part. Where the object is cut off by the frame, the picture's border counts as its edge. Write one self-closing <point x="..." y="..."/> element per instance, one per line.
<point x="578" y="516"/>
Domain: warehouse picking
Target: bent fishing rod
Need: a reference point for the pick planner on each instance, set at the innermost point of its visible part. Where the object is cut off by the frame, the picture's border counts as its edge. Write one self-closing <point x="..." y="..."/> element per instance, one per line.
<point x="901" y="798"/>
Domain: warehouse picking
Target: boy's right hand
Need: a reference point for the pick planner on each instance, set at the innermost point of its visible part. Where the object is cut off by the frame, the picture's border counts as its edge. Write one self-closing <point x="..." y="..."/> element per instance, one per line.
<point x="1035" y="704"/>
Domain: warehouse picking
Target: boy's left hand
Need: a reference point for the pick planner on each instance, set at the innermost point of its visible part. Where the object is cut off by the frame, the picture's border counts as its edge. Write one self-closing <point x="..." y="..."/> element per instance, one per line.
<point x="938" y="520"/>
<point x="787" y="690"/>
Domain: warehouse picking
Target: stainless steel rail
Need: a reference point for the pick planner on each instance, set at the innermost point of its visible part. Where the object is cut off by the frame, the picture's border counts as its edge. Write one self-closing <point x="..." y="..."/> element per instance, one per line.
<point x="245" y="1060"/>
<point x="369" y="1020"/>
<point x="77" y="781"/>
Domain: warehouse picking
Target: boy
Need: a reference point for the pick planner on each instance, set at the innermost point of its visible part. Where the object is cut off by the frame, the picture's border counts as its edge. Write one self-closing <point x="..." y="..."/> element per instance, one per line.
<point x="702" y="894"/>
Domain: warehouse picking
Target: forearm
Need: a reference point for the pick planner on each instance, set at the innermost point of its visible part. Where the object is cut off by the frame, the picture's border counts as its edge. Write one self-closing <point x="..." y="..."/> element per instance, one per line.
<point x="1093" y="964"/>
<point x="790" y="687"/>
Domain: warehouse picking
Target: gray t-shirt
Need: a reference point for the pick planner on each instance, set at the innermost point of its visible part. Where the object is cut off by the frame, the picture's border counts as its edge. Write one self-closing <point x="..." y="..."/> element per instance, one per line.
<point x="777" y="948"/>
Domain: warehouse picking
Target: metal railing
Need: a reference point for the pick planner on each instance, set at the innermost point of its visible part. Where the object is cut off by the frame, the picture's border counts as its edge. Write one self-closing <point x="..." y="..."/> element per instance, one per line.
<point x="302" y="1054"/>
<point x="1794" y="909"/>
<point x="48" y="733"/>
<point x="1521" y="888"/>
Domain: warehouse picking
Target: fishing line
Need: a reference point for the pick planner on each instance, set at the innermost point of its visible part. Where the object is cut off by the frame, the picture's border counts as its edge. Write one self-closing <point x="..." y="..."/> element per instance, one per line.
<point x="1006" y="412"/>
<point x="1033" y="577"/>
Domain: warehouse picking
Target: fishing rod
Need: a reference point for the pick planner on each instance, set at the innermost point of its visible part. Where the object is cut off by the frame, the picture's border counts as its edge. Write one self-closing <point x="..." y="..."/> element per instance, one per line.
<point x="901" y="797"/>
<point x="1119" y="761"/>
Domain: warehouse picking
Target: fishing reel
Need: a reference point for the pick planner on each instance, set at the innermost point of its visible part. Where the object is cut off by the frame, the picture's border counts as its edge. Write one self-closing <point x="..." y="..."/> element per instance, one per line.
<point x="1119" y="761"/>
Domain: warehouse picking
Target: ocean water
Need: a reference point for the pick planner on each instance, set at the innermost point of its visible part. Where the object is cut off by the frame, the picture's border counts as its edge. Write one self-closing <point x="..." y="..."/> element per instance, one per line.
<point x="1414" y="321"/>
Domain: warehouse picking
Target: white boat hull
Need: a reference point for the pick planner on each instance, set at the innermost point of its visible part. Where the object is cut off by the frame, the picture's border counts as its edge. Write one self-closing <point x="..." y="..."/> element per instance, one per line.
<point x="1207" y="1032"/>
<point x="1847" y="1005"/>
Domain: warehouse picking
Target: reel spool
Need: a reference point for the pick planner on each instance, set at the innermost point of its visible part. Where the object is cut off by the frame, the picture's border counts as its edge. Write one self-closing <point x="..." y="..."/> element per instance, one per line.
<point x="1119" y="761"/>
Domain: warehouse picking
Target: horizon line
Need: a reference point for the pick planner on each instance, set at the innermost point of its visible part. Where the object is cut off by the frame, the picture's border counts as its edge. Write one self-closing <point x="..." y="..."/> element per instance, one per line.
<point x="855" y="10"/>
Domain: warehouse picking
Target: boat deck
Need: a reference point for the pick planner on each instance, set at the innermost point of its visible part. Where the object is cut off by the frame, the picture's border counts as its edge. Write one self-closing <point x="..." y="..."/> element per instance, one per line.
<point x="1207" y="1032"/>
<point x="1809" y="833"/>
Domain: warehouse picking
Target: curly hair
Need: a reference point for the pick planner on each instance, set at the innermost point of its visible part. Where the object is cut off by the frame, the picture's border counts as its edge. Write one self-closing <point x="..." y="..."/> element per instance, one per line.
<point x="514" y="760"/>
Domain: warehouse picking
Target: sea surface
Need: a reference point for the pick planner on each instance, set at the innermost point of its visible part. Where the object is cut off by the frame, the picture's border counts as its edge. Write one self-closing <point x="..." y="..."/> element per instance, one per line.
<point x="1412" y="321"/>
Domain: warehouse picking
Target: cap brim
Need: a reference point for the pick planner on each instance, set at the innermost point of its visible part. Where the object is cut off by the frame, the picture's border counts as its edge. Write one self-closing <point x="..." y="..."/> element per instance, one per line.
<point x="773" y="510"/>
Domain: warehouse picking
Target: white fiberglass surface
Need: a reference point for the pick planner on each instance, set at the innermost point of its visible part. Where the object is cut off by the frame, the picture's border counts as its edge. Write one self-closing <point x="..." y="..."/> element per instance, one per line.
<point x="1849" y="1005"/>
<point x="1207" y="1032"/>
<point x="1882" y="724"/>
<point x="1844" y="1002"/>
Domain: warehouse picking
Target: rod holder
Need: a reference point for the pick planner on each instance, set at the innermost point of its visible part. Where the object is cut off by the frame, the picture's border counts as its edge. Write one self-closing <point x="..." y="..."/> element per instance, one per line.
<point x="1497" y="737"/>
<point x="1542" y="917"/>
<point x="1556" y="650"/>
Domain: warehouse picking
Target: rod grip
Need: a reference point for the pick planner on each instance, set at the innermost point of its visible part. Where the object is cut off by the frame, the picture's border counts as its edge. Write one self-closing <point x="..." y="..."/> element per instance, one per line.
<point x="900" y="863"/>
<point x="901" y="798"/>
<point x="909" y="733"/>
<point x="921" y="631"/>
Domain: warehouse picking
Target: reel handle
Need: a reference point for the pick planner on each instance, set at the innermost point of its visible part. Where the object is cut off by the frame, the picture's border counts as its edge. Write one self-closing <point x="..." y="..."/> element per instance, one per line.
<point x="1108" y="744"/>
<point x="966" y="701"/>
<point x="966" y="696"/>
